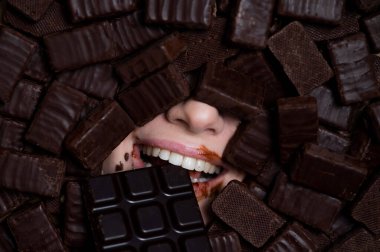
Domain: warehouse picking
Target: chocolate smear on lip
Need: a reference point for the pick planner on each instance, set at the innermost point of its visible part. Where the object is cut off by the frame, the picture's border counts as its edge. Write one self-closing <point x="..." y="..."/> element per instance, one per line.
<point x="126" y="156"/>
<point x="210" y="155"/>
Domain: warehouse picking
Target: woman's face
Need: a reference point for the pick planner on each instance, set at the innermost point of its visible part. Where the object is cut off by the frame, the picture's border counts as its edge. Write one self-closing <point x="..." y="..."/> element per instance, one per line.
<point x="191" y="135"/>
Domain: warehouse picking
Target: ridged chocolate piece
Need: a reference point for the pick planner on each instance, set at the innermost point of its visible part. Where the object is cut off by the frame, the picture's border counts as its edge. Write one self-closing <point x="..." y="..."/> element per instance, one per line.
<point x="318" y="11"/>
<point x="23" y="101"/>
<point x="229" y="91"/>
<point x="297" y="124"/>
<point x="96" y="80"/>
<point x="333" y="141"/>
<point x="12" y="134"/>
<point x="251" y="21"/>
<point x="331" y="173"/>
<point x="357" y="240"/>
<point x="154" y="95"/>
<point x="10" y="200"/>
<point x="256" y="225"/>
<point x="31" y="173"/>
<point x="372" y="27"/>
<point x="367" y="208"/>
<point x="91" y="9"/>
<point x="33" y="231"/>
<point x="225" y="242"/>
<point x="37" y="68"/>
<point x="257" y="190"/>
<point x="353" y="69"/>
<point x="251" y="145"/>
<point x="107" y="124"/>
<point x="18" y="48"/>
<point x="58" y="114"/>
<point x="373" y="111"/>
<point x="181" y="13"/>
<point x="300" y="58"/>
<point x="33" y="9"/>
<point x="6" y="242"/>
<point x="367" y="5"/>
<point x="151" y="59"/>
<point x="151" y="209"/>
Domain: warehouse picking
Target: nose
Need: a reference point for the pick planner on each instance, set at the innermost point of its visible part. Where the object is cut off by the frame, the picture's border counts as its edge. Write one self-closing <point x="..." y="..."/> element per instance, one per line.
<point x="196" y="117"/>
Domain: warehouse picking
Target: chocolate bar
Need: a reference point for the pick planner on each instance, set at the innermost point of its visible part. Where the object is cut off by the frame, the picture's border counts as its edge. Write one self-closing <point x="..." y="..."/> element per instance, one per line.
<point x="147" y="208"/>
<point x="373" y="111"/>
<point x="333" y="141"/>
<point x="357" y="240"/>
<point x="367" y="5"/>
<point x="6" y="242"/>
<point x="37" y="68"/>
<point x="12" y="134"/>
<point x="372" y="26"/>
<point x="268" y="172"/>
<point x="257" y="190"/>
<point x="183" y="13"/>
<point x="225" y="242"/>
<point x="223" y="6"/>
<point x="341" y="226"/>
<point x="33" y="9"/>
<point x="11" y="200"/>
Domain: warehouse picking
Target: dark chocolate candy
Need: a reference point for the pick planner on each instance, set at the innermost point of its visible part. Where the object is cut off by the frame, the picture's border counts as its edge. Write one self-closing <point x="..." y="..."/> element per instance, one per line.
<point x="31" y="173"/>
<point x="181" y="13"/>
<point x="373" y="111"/>
<point x="341" y="226"/>
<point x="367" y="5"/>
<point x="231" y="207"/>
<point x="151" y="59"/>
<point x="251" y="21"/>
<point x="315" y="209"/>
<point x="300" y="58"/>
<point x="144" y="210"/>
<point x="10" y="200"/>
<point x="107" y="118"/>
<point x="333" y="141"/>
<point x="268" y="172"/>
<point x="259" y="191"/>
<point x="372" y="27"/>
<point x="33" y="9"/>
<point x="353" y="69"/>
<point x="12" y="134"/>
<point x="58" y="114"/>
<point x="225" y="242"/>
<point x="6" y="242"/>
<point x="357" y="240"/>
<point x="33" y="231"/>
<point x="154" y="95"/>
<point x="223" y="6"/>
<point x="37" y="68"/>
<point x="376" y="66"/>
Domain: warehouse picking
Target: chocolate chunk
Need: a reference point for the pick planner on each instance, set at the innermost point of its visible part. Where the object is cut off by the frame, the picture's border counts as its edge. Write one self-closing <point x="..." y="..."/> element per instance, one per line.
<point x="37" y="68"/>
<point x="259" y="191"/>
<point x="182" y="13"/>
<point x="223" y="6"/>
<point x="367" y="5"/>
<point x="357" y="240"/>
<point x="225" y="242"/>
<point x="372" y="26"/>
<point x="297" y="124"/>
<point x="83" y="142"/>
<point x="251" y="21"/>
<point x="154" y="95"/>
<point x="90" y="105"/>
<point x="12" y="134"/>
<point x="373" y="112"/>
<point x="10" y="200"/>
<point x="353" y="69"/>
<point x="58" y="114"/>
<point x="33" y="231"/>
<point x="376" y="66"/>
<point x="268" y="172"/>
<point x="33" y="9"/>
<point x="341" y="226"/>
<point x="6" y="242"/>
<point x="333" y="141"/>
<point x="315" y="209"/>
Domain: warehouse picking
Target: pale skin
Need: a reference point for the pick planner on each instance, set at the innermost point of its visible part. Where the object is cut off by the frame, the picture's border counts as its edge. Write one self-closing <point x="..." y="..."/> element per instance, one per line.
<point x="194" y="130"/>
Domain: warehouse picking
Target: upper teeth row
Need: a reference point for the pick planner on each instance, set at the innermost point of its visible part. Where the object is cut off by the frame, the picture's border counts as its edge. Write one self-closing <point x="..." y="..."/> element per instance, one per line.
<point x="180" y="160"/>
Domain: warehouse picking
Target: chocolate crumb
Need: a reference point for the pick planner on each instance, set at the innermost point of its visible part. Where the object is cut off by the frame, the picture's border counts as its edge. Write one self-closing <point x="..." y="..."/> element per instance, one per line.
<point x="119" y="167"/>
<point x="126" y="156"/>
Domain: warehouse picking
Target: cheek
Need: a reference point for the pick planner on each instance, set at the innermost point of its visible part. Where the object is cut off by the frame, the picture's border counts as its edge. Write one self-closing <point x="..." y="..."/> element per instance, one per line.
<point x="232" y="174"/>
<point x="121" y="157"/>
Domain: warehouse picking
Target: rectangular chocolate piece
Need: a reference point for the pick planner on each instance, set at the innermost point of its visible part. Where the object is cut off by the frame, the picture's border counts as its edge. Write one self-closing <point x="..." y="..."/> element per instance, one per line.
<point x="225" y="242"/>
<point x="341" y="226"/>
<point x="147" y="208"/>
<point x="333" y="141"/>
<point x="31" y="173"/>
<point x="180" y="13"/>
<point x="33" y="9"/>
<point x="269" y="172"/>
<point x="12" y="134"/>
<point x="58" y="114"/>
<point x="300" y="58"/>
<point x="251" y="21"/>
<point x="331" y="173"/>
<point x="317" y="11"/>
<point x="372" y="27"/>
<point x="353" y="69"/>
<point x="315" y="209"/>
<point x="367" y="5"/>
<point x="37" y="68"/>
<point x="10" y="200"/>
<point x="373" y="112"/>
<point x="6" y="242"/>
<point x="108" y="124"/>
<point x="33" y="231"/>
<point x="154" y="95"/>
<point x="91" y="9"/>
<point x="357" y="240"/>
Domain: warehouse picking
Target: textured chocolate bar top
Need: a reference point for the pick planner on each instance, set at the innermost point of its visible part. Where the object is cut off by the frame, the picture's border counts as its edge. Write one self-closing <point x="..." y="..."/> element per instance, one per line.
<point x="34" y="9"/>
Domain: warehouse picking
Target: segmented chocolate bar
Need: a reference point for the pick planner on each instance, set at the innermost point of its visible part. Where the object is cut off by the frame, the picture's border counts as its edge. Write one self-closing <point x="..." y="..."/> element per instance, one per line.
<point x="10" y="200"/>
<point x="12" y="134"/>
<point x="182" y="13"/>
<point x="37" y="68"/>
<point x="333" y="141"/>
<point x="372" y="27"/>
<point x="357" y="240"/>
<point x="33" y="9"/>
<point x="57" y="116"/>
<point x="225" y="242"/>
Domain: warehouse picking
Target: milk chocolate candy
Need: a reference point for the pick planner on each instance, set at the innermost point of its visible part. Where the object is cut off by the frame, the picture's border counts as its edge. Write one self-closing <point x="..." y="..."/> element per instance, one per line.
<point x="151" y="59"/>
<point x="357" y="240"/>
<point x="225" y="242"/>
<point x="33" y="231"/>
<point x="154" y="95"/>
<point x="331" y="173"/>
<point x="83" y="142"/>
<point x="33" y="9"/>
<point x="12" y="134"/>
<point x="300" y="58"/>
<point x="91" y="9"/>
<point x="11" y="200"/>
<point x="6" y="242"/>
<point x="372" y="26"/>
<point x="297" y="124"/>
<point x="57" y="116"/>
<point x="37" y="68"/>
<point x="315" y="209"/>
<point x="353" y="69"/>
<point x="373" y="111"/>
<point x="181" y="13"/>
<point x="333" y="141"/>
<point x="367" y="5"/>
<point x="251" y="21"/>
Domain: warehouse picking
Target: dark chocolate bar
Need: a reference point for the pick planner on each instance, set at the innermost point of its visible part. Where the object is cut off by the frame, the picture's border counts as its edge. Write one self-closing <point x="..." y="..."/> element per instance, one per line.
<point x="225" y="242"/>
<point x="37" y="68"/>
<point x="373" y="111"/>
<point x="341" y="226"/>
<point x="33" y="9"/>
<point x="6" y="242"/>
<point x="10" y="200"/>
<point x="268" y="172"/>
<point x="357" y="240"/>
<point x="223" y="6"/>
<point x="12" y="134"/>
<point x="333" y="141"/>
<point x="257" y="190"/>
<point x="367" y="5"/>
<point x="372" y="26"/>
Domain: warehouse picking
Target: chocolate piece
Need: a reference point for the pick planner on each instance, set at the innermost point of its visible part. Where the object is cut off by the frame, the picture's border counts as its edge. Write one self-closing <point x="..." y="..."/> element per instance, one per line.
<point x="151" y="207"/>
<point x="151" y="59"/>
<point x="33" y="9"/>
<point x="373" y="112"/>
<point x="268" y="173"/>
<point x="341" y="226"/>
<point x="10" y="200"/>
<point x="251" y="21"/>
<point x="333" y="141"/>
<point x="335" y="174"/>
<point x="223" y="6"/>
<point x="90" y="105"/>
<point x="315" y="209"/>
<point x="353" y="69"/>
<point x="12" y="134"/>
<point x="6" y="242"/>
<point x="95" y="80"/>
<point x="84" y="141"/>
<point x="31" y="173"/>
<point x="92" y="9"/>
<point x="37" y="67"/>
<point x="357" y="240"/>
<point x="18" y="48"/>
<point x="252" y="225"/>
<point x="59" y="112"/>
<point x="154" y="95"/>
<point x="33" y="231"/>
<point x="181" y="13"/>
<point x="300" y="58"/>
<point x="297" y="124"/>
<point x="372" y="27"/>
<point x="319" y="11"/>
<point x="257" y="190"/>
<point x="225" y="242"/>
<point x="367" y="5"/>
<point x="376" y="66"/>
<point x="251" y="145"/>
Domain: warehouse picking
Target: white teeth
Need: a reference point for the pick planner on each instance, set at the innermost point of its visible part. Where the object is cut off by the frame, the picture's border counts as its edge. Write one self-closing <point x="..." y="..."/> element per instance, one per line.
<point x="155" y="151"/>
<point x="164" y="154"/>
<point x="200" y="165"/>
<point x="149" y="150"/>
<point x="189" y="163"/>
<point x="175" y="158"/>
<point x="207" y="167"/>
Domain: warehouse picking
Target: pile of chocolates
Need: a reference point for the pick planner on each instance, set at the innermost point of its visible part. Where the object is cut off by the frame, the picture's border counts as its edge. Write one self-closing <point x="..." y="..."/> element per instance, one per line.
<point x="77" y="76"/>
